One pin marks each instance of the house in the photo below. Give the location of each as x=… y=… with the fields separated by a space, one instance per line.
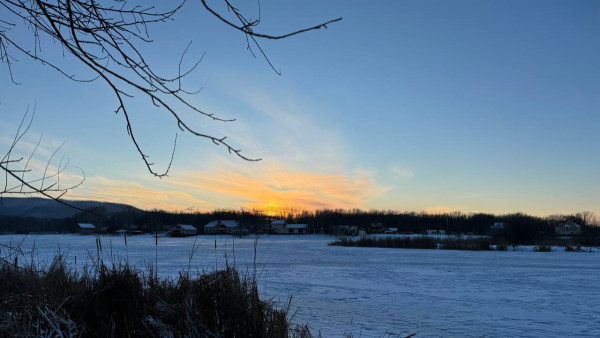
x=295 y=229
x=222 y=227
x=568 y=229
x=349 y=230
x=85 y=229
x=436 y=232
x=280 y=226
x=277 y=226
x=352 y=231
x=377 y=228
x=183 y=230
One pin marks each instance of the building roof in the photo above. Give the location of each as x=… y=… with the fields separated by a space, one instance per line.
x=572 y=224
x=211 y=224
x=86 y=226
x=296 y=226
x=230 y=223
x=278 y=222
x=187 y=227
x=227 y=224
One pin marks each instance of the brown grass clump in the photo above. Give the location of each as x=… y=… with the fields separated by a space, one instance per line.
x=542 y=248
x=389 y=242
x=471 y=244
x=121 y=302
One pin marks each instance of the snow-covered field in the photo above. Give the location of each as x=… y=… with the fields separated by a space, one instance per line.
x=371 y=291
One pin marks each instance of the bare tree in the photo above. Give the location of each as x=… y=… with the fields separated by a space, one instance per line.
x=588 y=218
x=24 y=174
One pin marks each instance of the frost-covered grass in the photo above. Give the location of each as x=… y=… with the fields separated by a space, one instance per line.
x=57 y=301
x=371 y=291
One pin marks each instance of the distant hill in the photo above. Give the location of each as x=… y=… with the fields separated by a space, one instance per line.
x=46 y=208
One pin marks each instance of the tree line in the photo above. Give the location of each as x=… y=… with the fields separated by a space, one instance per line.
x=519 y=227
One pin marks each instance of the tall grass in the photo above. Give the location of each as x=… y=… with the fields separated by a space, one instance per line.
x=122 y=301
x=422 y=242
x=472 y=244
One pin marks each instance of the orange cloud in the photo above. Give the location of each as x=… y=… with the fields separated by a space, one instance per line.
x=271 y=188
x=275 y=187
x=438 y=210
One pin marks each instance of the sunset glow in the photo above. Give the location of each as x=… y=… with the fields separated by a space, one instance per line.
x=396 y=107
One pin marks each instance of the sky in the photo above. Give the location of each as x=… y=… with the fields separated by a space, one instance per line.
x=434 y=106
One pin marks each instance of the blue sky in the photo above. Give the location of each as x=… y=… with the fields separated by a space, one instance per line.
x=405 y=105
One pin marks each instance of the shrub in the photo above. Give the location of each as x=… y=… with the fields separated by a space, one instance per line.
x=466 y=244
x=501 y=247
x=542 y=248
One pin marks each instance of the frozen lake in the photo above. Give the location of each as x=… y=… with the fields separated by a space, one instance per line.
x=371 y=291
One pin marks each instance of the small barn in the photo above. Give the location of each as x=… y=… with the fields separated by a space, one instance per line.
x=85 y=229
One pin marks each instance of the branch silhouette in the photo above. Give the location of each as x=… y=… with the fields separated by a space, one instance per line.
x=106 y=38
x=21 y=179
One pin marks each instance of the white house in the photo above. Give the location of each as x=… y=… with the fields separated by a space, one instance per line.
x=568 y=229
x=183 y=230
x=85 y=228
x=277 y=226
x=221 y=227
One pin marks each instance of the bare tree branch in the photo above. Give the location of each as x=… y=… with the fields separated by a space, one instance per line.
x=106 y=37
x=18 y=178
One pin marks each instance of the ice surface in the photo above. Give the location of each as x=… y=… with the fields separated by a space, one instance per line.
x=371 y=291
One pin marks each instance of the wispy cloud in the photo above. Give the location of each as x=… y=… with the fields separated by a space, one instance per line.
x=133 y=193
x=283 y=126
x=305 y=164
x=402 y=172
